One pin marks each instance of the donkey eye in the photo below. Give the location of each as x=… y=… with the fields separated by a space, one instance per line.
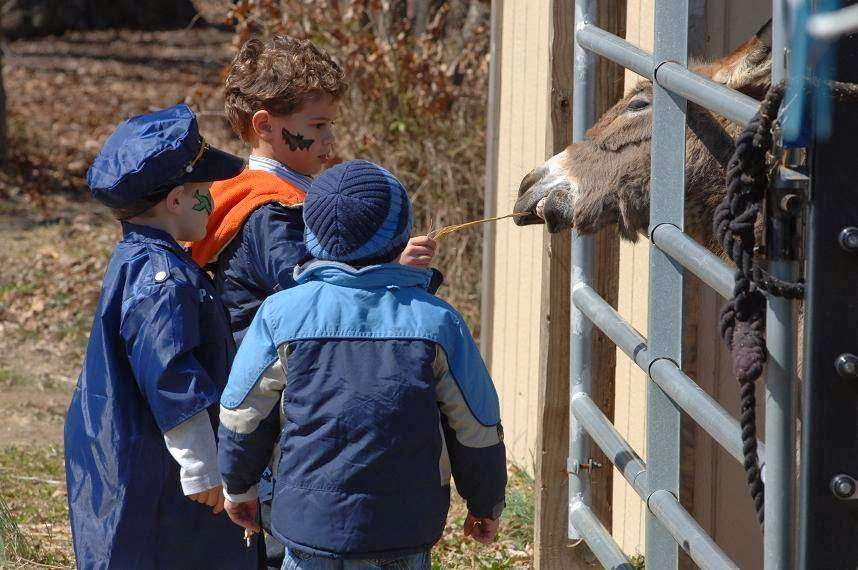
x=637 y=105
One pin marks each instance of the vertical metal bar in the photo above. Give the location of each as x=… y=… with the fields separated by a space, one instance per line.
x=667 y=205
x=583 y=253
x=780 y=372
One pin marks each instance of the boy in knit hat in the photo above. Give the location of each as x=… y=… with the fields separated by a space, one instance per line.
x=369 y=391
x=144 y=489
x=282 y=97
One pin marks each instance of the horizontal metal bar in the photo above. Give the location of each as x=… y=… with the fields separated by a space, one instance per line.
x=663 y=504
x=612 y=324
x=695 y=258
x=687 y=532
x=599 y=540
x=616 y=49
x=689 y=396
x=714 y=419
x=724 y=101
x=611 y=442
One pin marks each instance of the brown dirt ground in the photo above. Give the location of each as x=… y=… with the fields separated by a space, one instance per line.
x=64 y=95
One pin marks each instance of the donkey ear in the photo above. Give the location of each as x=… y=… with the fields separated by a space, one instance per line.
x=748 y=69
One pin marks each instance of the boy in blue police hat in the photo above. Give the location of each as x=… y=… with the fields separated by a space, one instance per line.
x=369 y=391
x=141 y=458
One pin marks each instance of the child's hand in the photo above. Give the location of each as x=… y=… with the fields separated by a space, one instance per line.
x=213 y=498
x=483 y=530
x=419 y=252
x=243 y=514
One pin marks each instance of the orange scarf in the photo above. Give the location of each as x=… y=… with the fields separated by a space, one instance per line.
x=234 y=201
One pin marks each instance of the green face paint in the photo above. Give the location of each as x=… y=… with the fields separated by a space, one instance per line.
x=204 y=203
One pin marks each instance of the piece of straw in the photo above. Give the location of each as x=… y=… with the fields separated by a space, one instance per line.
x=447 y=230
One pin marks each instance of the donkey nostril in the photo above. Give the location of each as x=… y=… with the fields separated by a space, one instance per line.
x=532 y=178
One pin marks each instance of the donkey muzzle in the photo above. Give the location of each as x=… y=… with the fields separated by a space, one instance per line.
x=546 y=197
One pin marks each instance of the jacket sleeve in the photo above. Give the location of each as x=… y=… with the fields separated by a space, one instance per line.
x=193 y=446
x=477 y=453
x=161 y=328
x=250 y=423
x=436 y=280
x=273 y=239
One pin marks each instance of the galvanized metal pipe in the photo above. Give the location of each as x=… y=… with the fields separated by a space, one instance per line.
x=687 y=532
x=611 y=442
x=724 y=101
x=616 y=49
x=611 y=323
x=582 y=268
x=702 y=408
x=667 y=206
x=599 y=540
x=682 y=527
x=780 y=371
x=710 y=268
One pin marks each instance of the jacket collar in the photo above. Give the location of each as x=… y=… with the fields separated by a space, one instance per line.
x=390 y=275
x=137 y=233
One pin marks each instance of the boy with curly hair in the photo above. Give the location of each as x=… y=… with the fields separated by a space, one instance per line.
x=282 y=97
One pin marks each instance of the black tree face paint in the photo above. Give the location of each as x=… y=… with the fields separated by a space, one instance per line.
x=204 y=203
x=296 y=141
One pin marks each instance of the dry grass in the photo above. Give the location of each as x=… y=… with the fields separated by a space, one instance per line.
x=35 y=528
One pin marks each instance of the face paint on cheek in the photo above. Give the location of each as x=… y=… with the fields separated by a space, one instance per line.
x=296 y=141
x=204 y=203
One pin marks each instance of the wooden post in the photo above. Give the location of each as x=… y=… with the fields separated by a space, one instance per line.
x=551 y=546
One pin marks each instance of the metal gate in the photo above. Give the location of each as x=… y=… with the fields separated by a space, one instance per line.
x=672 y=252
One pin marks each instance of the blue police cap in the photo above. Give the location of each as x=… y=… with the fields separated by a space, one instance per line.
x=151 y=154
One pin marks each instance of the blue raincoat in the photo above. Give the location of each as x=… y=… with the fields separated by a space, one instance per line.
x=159 y=353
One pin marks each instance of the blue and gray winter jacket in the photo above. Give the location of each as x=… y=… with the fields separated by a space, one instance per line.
x=369 y=392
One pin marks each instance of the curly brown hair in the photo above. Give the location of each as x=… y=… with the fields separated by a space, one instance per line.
x=278 y=75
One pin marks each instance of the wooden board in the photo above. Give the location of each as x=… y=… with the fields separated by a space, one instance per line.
x=551 y=546
x=523 y=136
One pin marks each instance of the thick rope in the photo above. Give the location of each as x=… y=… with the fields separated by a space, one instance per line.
x=743 y=319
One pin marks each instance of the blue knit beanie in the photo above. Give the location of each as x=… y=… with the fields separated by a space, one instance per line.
x=358 y=213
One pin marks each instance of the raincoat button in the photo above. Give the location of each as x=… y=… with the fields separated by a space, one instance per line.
x=160 y=277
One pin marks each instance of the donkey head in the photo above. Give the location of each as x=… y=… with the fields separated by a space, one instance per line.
x=605 y=179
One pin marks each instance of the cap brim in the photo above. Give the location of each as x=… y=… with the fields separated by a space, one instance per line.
x=215 y=164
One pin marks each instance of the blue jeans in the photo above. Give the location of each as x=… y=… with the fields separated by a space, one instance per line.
x=297 y=560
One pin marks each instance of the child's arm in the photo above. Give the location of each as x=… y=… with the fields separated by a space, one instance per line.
x=250 y=419
x=273 y=240
x=248 y=433
x=161 y=330
x=192 y=445
x=477 y=453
